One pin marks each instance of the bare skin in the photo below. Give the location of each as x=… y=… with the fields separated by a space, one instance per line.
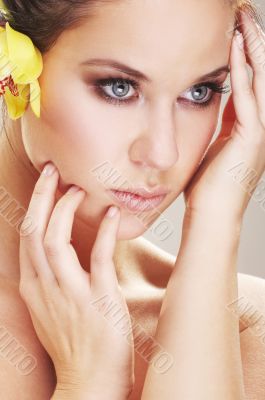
x=144 y=297
x=139 y=278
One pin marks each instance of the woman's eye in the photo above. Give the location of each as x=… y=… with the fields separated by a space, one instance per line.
x=204 y=94
x=116 y=90
x=200 y=95
x=119 y=89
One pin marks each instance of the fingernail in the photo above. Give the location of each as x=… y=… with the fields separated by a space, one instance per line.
x=48 y=169
x=112 y=211
x=73 y=189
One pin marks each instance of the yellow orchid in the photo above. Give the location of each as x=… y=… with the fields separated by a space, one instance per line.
x=3 y=7
x=21 y=65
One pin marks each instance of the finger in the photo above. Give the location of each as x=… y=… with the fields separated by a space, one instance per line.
x=33 y=261
x=243 y=96
x=60 y=253
x=255 y=50
x=102 y=268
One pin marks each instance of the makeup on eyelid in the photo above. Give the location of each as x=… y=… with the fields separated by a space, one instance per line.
x=214 y=87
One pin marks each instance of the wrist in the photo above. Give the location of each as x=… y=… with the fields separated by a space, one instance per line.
x=205 y=220
x=101 y=386
x=205 y=233
x=89 y=393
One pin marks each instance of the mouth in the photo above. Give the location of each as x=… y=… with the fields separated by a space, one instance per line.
x=136 y=202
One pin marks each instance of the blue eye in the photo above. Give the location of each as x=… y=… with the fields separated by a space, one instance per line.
x=200 y=94
x=115 y=91
x=214 y=87
x=118 y=87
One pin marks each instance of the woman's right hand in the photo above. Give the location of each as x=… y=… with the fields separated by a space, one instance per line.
x=234 y=163
x=67 y=304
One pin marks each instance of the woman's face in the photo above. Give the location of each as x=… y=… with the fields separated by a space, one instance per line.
x=122 y=135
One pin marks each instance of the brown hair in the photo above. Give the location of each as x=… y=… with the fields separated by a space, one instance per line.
x=44 y=21
x=251 y=7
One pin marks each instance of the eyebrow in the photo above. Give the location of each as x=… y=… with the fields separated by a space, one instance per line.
x=139 y=75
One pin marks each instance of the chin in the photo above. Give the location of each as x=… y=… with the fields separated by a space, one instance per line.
x=130 y=231
x=131 y=224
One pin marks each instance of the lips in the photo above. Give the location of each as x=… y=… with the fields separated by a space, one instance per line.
x=136 y=202
x=145 y=193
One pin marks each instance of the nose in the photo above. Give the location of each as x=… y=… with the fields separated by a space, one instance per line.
x=155 y=146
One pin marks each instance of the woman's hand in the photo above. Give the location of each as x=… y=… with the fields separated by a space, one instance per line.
x=239 y=151
x=67 y=304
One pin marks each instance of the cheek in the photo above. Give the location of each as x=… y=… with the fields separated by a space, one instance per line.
x=82 y=123
x=197 y=129
x=77 y=132
x=195 y=132
x=197 y=140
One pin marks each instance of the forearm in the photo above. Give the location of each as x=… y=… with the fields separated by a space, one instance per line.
x=195 y=326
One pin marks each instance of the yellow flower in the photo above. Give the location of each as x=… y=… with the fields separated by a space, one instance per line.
x=2 y=6
x=20 y=67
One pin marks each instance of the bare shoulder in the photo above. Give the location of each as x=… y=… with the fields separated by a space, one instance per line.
x=251 y=297
x=154 y=263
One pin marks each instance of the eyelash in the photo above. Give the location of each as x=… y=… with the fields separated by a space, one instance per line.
x=110 y=80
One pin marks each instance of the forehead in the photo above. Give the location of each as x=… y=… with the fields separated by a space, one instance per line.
x=150 y=34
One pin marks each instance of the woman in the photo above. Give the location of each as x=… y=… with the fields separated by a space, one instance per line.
x=71 y=265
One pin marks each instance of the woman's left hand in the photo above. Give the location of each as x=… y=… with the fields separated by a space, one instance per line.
x=239 y=150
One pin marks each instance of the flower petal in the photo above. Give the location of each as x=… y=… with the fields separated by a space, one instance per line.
x=16 y=105
x=2 y=6
x=5 y=65
x=25 y=58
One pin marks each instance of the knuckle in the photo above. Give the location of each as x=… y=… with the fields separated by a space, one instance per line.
x=51 y=248
x=31 y=238
x=246 y=90
x=38 y=191
x=98 y=257
x=27 y=227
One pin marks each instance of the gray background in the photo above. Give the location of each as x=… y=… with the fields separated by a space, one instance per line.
x=251 y=255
